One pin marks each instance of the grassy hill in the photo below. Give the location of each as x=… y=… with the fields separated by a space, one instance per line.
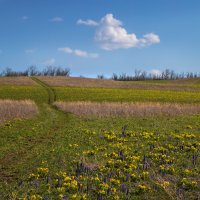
x=60 y=155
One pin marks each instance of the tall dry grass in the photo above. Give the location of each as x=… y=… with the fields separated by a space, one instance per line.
x=103 y=83
x=107 y=109
x=10 y=109
x=16 y=81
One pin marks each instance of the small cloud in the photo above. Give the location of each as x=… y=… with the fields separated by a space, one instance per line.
x=78 y=52
x=155 y=72
x=85 y=54
x=50 y=61
x=24 y=18
x=110 y=34
x=88 y=22
x=29 y=51
x=65 y=50
x=152 y=38
x=149 y=39
x=57 y=19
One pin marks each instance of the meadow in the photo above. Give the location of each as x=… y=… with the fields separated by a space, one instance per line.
x=60 y=155
x=177 y=85
x=21 y=92
x=124 y=95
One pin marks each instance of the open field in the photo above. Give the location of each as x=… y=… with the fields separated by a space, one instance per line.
x=58 y=155
x=16 y=81
x=15 y=92
x=178 y=85
x=124 y=95
x=10 y=109
x=117 y=164
x=109 y=109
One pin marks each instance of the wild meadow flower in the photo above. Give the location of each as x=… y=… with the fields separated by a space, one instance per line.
x=89 y=152
x=144 y=175
x=115 y=181
x=43 y=170
x=35 y=197
x=34 y=176
x=189 y=184
x=133 y=177
x=187 y=172
x=142 y=188
x=74 y=196
x=67 y=179
x=61 y=190
x=165 y=184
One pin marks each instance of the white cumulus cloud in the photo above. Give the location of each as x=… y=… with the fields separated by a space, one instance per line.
x=57 y=19
x=155 y=72
x=78 y=52
x=149 y=39
x=88 y=22
x=110 y=34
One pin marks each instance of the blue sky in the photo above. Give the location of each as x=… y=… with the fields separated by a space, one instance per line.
x=100 y=36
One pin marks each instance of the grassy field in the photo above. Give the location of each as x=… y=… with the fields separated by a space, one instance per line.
x=57 y=155
x=16 y=92
x=17 y=81
x=177 y=85
x=124 y=95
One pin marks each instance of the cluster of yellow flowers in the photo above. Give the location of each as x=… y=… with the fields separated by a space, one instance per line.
x=73 y=145
x=188 y=184
x=165 y=184
x=43 y=170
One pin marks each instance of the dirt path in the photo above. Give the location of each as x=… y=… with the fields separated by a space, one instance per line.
x=51 y=92
x=21 y=150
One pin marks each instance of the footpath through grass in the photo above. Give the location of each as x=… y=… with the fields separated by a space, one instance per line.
x=49 y=90
x=61 y=156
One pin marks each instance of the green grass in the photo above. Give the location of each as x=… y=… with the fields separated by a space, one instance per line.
x=48 y=139
x=55 y=141
x=36 y=93
x=125 y=95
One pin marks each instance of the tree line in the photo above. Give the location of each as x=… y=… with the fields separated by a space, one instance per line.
x=33 y=71
x=140 y=75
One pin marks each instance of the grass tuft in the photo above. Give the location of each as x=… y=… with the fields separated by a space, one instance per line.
x=107 y=109
x=10 y=109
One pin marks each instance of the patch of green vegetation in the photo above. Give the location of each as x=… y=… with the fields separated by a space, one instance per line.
x=58 y=142
x=13 y=92
x=125 y=95
x=57 y=155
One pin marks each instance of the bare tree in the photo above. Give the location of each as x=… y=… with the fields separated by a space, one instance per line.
x=101 y=76
x=32 y=70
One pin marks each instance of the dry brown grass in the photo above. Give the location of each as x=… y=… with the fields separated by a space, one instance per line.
x=107 y=109
x=179 y=85
x=10 y=109
x=16 y=81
